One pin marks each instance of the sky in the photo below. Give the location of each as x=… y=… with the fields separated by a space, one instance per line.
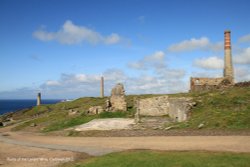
x=61 y=48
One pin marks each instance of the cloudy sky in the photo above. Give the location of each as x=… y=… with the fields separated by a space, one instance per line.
x=62 y=47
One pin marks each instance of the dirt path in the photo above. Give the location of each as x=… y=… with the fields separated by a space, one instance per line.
x=102 y=145
x=22 y=156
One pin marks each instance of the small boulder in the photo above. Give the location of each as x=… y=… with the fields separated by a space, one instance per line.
x=168 y=128
x=33 y=124
x=201 y=125
x=73 y=112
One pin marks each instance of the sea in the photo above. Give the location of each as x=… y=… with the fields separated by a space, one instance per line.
x=15 y=105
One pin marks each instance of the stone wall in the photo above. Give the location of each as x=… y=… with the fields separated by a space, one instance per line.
x=156 y=106
x=117 y=99
x=179 y=108
x=176 y=108
x=95 y=110
x=206 y=84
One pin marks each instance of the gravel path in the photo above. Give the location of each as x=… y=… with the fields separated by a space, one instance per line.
x=84 y=149
x=102 y=145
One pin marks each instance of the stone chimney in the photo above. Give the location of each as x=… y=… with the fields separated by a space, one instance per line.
x=228 y=65
x=102 y=87
x=38 y=102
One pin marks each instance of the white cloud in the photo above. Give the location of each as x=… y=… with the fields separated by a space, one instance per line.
x=172 y=73
x=162 y=79
x=209 y=63
x=52 y=83
x=192 y=44
x=157 y=56
x=242 y=74
x=155 y=60
x=157 y=79
x=243 y=57
x=219 y=46
x=245 y=38
x=74 y=34
x=115 y=75
x=112 y=39
x=207 y=74
x=189 y=45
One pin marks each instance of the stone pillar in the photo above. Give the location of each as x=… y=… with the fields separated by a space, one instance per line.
x=228 y=65
x=102 y=87
x=137 y=114
x=118 y=99
x=38 y=102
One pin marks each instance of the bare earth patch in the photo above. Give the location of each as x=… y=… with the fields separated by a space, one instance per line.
x=15 y=156
x=107 y=124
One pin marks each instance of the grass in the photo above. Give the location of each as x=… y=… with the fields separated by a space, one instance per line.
x=227 y=109
x=59 y=119
x=66 y=123
x=167 y=159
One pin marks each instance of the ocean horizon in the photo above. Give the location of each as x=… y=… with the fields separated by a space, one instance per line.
x=12 y=105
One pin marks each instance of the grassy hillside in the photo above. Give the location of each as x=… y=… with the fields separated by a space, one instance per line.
x=226 y=109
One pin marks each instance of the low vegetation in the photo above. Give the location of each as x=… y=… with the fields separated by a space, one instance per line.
x=166 y=159
x=225 y=109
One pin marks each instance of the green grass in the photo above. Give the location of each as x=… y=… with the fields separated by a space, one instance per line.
x=58 y=120
x=228 y=109
x=167 y=159
x=66 y=123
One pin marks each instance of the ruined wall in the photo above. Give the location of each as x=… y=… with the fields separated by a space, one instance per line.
x=156 y=106
x=117 y=99
x=205 y=84
x=177 y=108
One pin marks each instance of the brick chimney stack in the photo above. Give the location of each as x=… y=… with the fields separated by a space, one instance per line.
x=228 y=65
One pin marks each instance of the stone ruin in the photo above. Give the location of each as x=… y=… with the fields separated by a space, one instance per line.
x=95 y=110
x=178 y=109
x=243 y=84
x=117 y=100
x=205 y=84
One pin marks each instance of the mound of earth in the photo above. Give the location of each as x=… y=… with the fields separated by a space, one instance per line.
x=107 y=124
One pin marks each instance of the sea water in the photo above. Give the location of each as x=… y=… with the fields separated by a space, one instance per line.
x=14 y=105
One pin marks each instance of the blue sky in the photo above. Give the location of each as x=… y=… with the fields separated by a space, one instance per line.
x=62 y=47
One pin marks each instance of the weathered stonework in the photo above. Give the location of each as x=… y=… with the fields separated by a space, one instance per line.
x=177 y=108
x=156 y=106
x=204 y=84
x=117 y=99
x=95 y=110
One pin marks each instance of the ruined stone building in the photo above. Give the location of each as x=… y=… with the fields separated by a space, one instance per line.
x=203 y=84
x=117 y=99
x=177 y=108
